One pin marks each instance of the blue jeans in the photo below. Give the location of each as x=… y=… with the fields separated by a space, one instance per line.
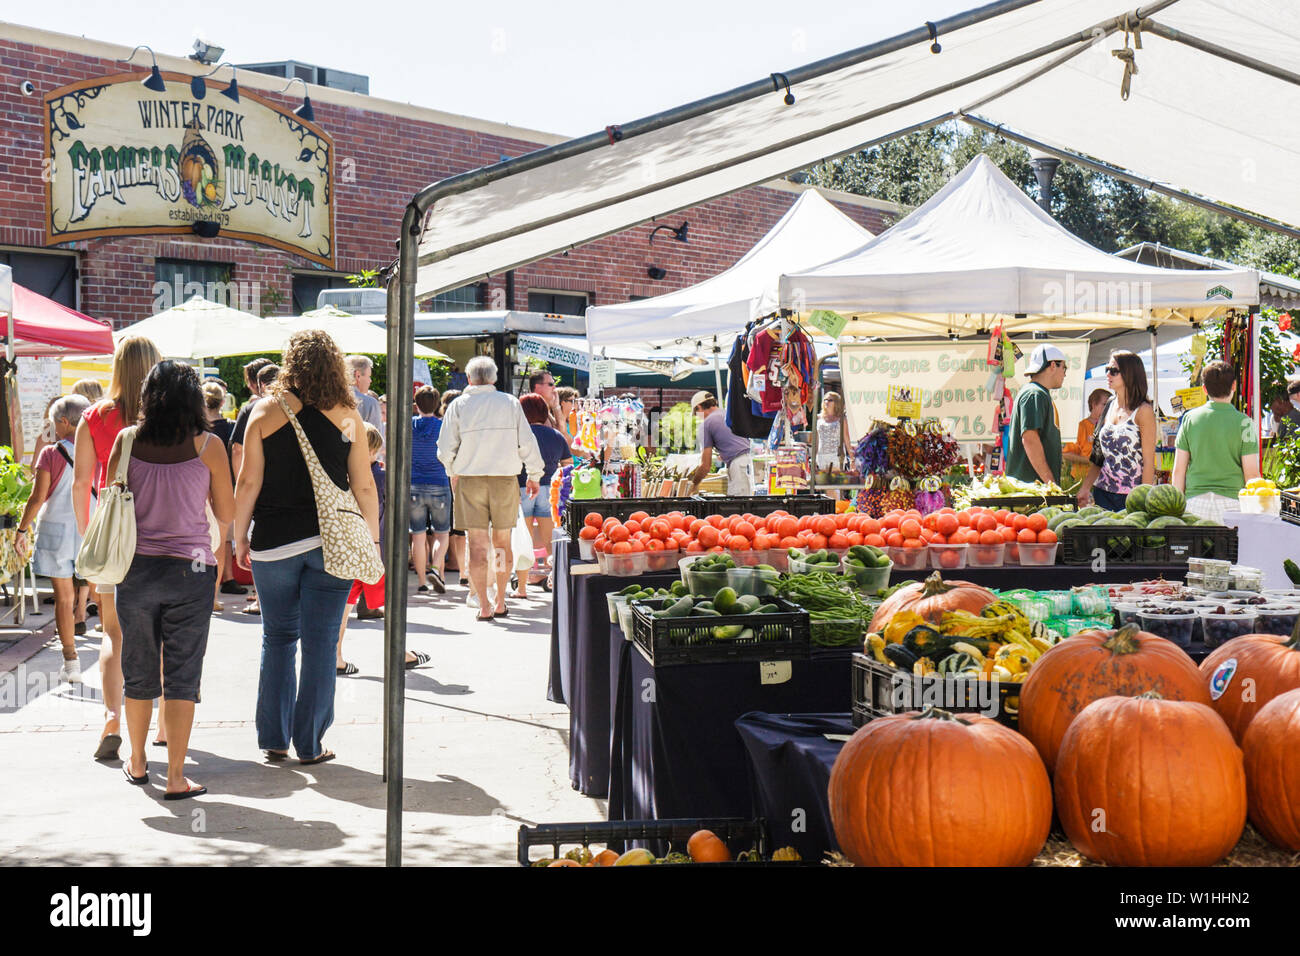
x=538 y=506
x=1110 y=500
x=300 y=602
x=430 y=509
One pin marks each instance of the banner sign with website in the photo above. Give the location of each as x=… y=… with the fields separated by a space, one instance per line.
x=125 y=160
x=952 y=382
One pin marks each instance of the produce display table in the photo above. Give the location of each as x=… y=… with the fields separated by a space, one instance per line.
x=1053 y=577
x=583 y=645
x=1264 y=542
x=675 y=750
x=789 y=761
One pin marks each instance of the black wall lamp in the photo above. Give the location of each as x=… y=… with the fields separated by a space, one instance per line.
x=655 y=272
x=154 y=80
x=200 y=88
x=205 y=228
x=304 y=112
x=679 y=233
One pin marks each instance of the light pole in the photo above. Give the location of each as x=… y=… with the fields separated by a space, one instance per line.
x=1045 y=166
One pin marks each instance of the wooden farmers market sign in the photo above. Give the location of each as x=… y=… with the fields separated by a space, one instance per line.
x=951 y=381
x=126 y=160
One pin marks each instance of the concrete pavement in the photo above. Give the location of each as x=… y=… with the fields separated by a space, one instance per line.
x=485 y=751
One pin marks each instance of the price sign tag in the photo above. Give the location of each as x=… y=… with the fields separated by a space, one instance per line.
x=1185 y=399
x=832 y=323
x=774 y=672
x=602 y=374
x=904 y=402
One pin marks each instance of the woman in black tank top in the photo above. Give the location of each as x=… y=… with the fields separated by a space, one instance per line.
x=300 y=602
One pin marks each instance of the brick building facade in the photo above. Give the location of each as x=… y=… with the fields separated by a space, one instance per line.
x=383 y=153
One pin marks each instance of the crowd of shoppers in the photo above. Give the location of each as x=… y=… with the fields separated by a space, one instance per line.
x=210 y=496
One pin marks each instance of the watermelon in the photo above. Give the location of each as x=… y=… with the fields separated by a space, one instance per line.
x=1139 y=518
x=1137 y=498
x=1164 y=521
x=1057 y=520
x=1166 y=500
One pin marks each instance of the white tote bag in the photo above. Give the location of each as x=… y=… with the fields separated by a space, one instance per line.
x=521 y=543
x=108 y=548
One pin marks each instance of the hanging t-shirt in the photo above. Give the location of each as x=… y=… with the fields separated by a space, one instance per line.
x=741 y=418
x=765 y=359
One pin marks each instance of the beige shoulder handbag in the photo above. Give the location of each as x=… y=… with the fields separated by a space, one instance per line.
x=348 y=549
x=108 y=548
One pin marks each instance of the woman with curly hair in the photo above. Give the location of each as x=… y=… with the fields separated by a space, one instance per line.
x=301 y=602
x=176 y=469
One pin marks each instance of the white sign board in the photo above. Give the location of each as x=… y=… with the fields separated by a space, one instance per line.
x=39 y=381
x=601 y=374
x=551 y=353
x=953 y=380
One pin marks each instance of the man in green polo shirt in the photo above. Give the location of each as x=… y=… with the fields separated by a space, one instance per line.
x=1217 y=448
x=1035 y=452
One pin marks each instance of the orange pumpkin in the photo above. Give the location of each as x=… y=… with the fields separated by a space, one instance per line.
x=1273 y=770
x=1144 y=781
x=604 y=858
x=1095 y=664
x=937 y=789
x=1247 y=672
x=930 y=598
x=705 y=847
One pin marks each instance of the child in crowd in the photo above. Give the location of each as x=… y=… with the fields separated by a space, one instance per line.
x=374 y=593
x=832 y=432
x=57 y=541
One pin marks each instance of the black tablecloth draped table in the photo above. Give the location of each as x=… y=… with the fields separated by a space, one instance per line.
x=675 y=749
x=789 y=763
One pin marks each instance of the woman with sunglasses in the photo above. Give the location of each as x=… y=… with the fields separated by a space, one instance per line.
x=1126 y=437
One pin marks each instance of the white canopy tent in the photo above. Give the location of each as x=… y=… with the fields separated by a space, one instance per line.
x=200 y=329
x=980 y=251
x=1199 y=116
x=811 y=232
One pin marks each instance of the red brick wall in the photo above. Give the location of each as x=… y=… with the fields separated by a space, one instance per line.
x=381 y=161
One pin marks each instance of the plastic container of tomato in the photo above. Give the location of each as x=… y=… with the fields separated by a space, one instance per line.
x=1037 y=555
x=909 y=559
x=602 y=562
x=948 y=557
x=586 y=550
x=747 y=559
x=625 y=565
x=985 y=555
x=660 y=560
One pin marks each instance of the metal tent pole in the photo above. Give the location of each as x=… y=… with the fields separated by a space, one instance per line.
x=401 y=359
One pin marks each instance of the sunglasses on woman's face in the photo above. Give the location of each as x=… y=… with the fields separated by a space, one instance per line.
x=1111 y=370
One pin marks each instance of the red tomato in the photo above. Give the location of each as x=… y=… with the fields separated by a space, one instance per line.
x=787 y=527
x=1008 y=534
x=693 y=547
x=913 y=544
x=1025 y=536
x=894 y=539
x=619 y=533
x=790 y=541
x=714 y=521
x=964 y=519
x=654 y=544
x=937 y=538
x=1019 y=522
x=855 y=538
x=891 y=521
x=632 y=525
x=695 y=525
x=837 y=540
x=738 y=542
x=910 y=527
x=869 y=526
x=1047 y=536
x=745 y=529
x=990 y=537
x=818 y=541
x=594 y=519
x=638 y=516
x=985 y=522
x=621 y=547
x=949 y=559
x=945 y=524
x=824 y=526
x=709 y=536
x=1036 y=523
x=588 y=533
x=875 y=540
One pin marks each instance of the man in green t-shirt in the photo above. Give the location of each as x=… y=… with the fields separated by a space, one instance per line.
x=1035 y=452
x=1217 y=448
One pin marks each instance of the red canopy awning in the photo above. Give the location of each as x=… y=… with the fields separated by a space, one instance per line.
x=43 y=327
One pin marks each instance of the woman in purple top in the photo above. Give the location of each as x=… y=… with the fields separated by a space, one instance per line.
x=177 y=468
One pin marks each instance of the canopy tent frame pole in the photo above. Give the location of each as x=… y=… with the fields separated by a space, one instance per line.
x=1119 y=173
x=1213 y=49
x=1155 y=370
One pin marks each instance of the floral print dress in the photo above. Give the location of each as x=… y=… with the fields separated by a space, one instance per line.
x=1121 y=444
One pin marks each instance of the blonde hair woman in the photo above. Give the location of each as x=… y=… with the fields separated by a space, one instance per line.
x=96 y=432
x=89 y=389
x=301 y=603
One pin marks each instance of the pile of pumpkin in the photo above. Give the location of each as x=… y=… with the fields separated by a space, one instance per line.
x=1152 y=761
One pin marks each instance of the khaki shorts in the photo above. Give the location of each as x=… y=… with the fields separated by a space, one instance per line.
x=483 y=501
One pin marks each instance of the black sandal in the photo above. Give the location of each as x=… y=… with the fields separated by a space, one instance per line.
x=276 y=755
x=327 y=755
x=420 y=658
x=139 y=781
x=184 y=794
x=108 y=746
x=347 y=670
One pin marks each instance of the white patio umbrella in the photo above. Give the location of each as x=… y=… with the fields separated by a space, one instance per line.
x=200 y=329
x=352 y=334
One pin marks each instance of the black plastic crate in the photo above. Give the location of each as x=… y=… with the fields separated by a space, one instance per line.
x=880 y=690
x=784 y=635
x=1125 y=544
x=657 y=836
x=797 y=505
x=623 y=508
x=1291 y=507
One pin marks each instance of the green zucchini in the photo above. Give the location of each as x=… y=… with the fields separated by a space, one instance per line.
x=725 y=632
x=681 y=607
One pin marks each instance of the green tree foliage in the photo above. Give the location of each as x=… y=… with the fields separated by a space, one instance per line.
x=1109 y=213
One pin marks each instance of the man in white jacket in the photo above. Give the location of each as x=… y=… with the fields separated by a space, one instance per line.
x=484 y=444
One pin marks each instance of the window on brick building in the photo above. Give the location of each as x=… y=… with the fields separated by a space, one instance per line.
x=52 y=276
x=558 y=303
x=307 y=287
x=177 y=280
x=468 y=298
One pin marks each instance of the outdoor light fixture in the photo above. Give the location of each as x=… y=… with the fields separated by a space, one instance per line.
x=154 y=80
x=206 y=53
x=656 y=273
x=679 y=233
x=304 y=112
x=199 y=88
x=205 y=228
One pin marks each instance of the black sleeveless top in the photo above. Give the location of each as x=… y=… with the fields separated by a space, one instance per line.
x=285 y=511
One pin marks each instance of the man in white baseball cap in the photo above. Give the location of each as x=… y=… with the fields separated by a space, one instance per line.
x=714 y=433
x=1035 y=436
